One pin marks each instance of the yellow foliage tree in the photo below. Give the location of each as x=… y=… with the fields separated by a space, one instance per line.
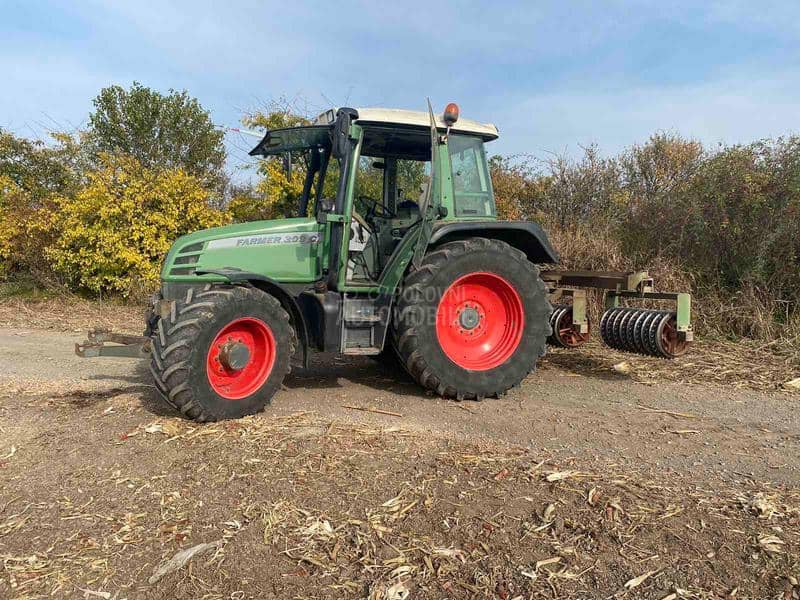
x=276 y=195
x=113 y=235
x=25 y=230
x=10 y=225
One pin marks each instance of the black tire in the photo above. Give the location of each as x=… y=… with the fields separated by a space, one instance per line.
x=182 y=340
x=605 y=325
x=640 y=331
x=416 y=340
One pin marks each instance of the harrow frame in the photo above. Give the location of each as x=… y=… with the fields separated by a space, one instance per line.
x=616 y=286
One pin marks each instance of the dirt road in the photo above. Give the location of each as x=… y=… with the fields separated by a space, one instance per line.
x=562 y=409
x=582 y=483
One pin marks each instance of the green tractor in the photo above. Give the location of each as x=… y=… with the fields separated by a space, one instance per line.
x=402 y=256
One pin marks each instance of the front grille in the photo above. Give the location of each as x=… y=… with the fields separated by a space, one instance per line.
x=196 y=247
x=187 y=260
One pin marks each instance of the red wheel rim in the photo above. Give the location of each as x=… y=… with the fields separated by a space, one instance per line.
x=671 y=344
x=240 y=358
x=479 y=321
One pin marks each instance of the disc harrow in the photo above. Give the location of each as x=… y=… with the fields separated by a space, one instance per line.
x=650 y=332
x=565 y=333
x=661 y=333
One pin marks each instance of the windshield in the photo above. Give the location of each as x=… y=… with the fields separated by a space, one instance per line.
x=298 y=166
x=280 y=141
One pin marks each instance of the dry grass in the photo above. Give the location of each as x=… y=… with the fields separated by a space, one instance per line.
x=751 y=314
x=732 y=364
x=70 y=313
x=304 y=508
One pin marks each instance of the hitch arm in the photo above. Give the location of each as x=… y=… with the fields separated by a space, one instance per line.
x=124 y=346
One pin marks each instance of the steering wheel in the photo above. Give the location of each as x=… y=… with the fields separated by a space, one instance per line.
x=375 y=209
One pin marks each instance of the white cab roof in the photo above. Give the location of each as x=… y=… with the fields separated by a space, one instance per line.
x=399 y=116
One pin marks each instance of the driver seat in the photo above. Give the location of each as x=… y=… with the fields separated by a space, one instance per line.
x=362 y=250
x=408 y=209
x=360 y=231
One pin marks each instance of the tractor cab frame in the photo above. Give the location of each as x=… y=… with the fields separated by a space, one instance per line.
x=455 y=194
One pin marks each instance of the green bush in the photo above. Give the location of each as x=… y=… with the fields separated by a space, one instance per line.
x=727 y=221
x=113 y=234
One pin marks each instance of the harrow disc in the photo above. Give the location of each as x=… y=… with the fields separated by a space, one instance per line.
x=615 y=327
x=622 y=328
x=553 y=315
x=605 y=320
x=557 y=308
x=627 y=333
x=638 y=327
x=651 y=332
x=564 y=333
x=668 y=341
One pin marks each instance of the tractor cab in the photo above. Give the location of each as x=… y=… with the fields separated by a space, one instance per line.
x=375 y=176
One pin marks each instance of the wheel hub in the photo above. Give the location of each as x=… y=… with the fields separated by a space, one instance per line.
x=234 y=355
x=240 y=358
x=469 y=317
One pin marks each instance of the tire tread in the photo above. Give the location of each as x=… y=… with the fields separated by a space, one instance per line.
x=405 y=338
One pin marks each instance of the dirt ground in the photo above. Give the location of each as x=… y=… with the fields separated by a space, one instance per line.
x=665 y=480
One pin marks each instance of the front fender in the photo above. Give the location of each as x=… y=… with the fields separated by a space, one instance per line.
x=274 y=288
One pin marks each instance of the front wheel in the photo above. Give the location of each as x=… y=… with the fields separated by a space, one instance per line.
x=222 y=353
x=473 y=320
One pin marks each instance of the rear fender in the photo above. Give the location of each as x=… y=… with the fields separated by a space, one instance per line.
x=524 y=235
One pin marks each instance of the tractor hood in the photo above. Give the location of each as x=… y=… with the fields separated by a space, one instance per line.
x=286 y=250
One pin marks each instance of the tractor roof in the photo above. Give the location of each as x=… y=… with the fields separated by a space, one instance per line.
x=411 y=118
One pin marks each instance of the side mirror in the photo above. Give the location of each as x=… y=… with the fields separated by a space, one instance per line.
x=341 y=131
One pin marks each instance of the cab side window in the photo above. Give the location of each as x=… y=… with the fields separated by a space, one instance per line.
x=471 y=182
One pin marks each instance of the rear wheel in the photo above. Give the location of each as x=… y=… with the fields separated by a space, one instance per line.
x=472 y=320
x=222 y=353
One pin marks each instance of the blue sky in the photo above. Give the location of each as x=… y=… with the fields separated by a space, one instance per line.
x=554 y=76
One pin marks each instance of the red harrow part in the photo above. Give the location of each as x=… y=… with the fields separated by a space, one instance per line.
x=661 y=333
x=565 y=333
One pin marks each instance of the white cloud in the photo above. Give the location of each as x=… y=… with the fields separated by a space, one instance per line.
x=730 y=110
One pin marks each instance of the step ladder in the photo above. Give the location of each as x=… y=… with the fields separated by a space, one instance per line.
x=364 y=322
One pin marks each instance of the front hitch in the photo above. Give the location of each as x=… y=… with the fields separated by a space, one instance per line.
x=103 y=342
